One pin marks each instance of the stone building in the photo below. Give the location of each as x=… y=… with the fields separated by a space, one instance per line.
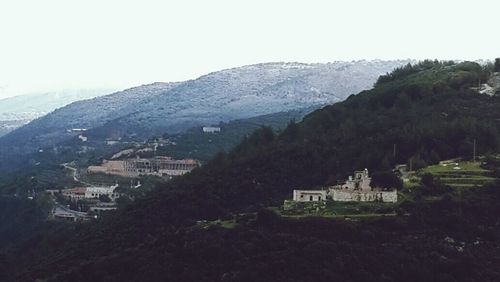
x=356 y=189
x=163 y=166
x=115 y=167
x=134 y=167
x=360 y=181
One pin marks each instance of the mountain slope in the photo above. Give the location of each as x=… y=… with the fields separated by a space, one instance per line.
x=19 y=110
x=196 y=144
x=427 y=110
x=221 y=96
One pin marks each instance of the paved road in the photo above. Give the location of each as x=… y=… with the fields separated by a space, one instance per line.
x=74 y=172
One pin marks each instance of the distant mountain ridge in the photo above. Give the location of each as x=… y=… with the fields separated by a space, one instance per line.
x=19 y=110
x=201 y=227
x=221 y=96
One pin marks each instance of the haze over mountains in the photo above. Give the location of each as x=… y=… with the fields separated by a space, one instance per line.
x=216 y=97
x=19 y=110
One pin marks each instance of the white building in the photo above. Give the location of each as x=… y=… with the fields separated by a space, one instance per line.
x=96 y=192
x=74 y=194
x=309 y=195
x=102 y=207
x=211 y=129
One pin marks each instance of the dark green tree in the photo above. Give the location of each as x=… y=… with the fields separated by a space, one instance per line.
x=386 y=180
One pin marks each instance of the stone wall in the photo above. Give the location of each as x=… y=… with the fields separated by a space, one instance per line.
x=291 y=206
x=364 y=196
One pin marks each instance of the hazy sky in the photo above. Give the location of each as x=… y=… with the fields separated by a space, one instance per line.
x=60 y=44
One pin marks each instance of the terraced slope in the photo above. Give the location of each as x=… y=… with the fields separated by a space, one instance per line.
x=461 y=175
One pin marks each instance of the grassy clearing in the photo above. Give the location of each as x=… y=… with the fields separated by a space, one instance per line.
x=339 y=209
x=461 y=175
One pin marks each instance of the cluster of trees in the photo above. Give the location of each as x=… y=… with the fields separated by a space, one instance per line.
x=202 y=146
x=409 y=69
x=497 y=65
x=271 y=248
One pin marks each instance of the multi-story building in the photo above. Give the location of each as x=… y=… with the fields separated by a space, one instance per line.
x=134 y=167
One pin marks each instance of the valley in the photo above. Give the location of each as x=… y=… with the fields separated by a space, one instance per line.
x=249 y=141
x=427 y=138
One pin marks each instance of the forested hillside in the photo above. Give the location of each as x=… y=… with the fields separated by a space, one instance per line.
x=196 y=144
x=221 y=96
x=419 y=114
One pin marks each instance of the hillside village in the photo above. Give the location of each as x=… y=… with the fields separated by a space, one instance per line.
x=249 y=141
x=136 y=160
x=102 y=186
x=84 y=203
x=236 y=202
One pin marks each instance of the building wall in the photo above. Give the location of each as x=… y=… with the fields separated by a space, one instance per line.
x=309 y=195
x=96 y=192
x=155 y=166
x=210 y=129
x=364 y=196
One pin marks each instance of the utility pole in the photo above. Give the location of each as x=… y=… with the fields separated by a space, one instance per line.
x=474 y=152
x=394 y=152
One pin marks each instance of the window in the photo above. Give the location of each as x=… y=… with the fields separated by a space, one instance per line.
x=310 y=198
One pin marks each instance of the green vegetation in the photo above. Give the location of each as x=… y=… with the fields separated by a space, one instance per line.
x=497 y=65
x=203 y=146
x=463 y=175
x=339 y=209
x=104 y=179
x=37 y=179
x=427 y=113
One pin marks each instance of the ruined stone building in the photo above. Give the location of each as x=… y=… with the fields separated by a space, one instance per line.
x=356 y=189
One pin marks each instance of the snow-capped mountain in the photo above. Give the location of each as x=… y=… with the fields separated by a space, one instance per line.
x=225 y=95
